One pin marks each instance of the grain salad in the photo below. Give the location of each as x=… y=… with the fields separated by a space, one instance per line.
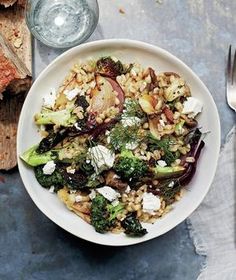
x=120 y=141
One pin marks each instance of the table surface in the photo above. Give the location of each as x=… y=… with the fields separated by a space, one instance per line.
x=32 y=247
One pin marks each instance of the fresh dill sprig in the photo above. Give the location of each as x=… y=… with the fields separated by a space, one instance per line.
x=120 y=136
x=164 y=145
x=133 y=109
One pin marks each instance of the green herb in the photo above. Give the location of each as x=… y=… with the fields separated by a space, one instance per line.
x=164 y=145
x=168 y=190
x=133 y=109
x=120 y=136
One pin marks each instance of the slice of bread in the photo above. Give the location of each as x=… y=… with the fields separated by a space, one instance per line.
x=14 y=75
x=7 y=3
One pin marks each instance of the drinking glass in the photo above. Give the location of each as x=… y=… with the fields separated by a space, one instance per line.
x=62 y=23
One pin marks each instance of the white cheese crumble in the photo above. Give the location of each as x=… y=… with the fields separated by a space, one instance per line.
x=76 y=125
x=115 y=202
x=130 y=121
x=162 y=123
x=192 y=106
x=71 y=94
x=78 y=198
x=109 y=193
x=161 y=163
x=101 y=158
x=50 y=99
x=49 y=167
x=131 y=145
x=171 y=184
x=51 y=190
x=150 y=203
x=128 y=189
x=70 y=170
x=92 y=195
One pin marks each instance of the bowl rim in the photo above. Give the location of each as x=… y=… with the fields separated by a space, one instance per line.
x=143 y=45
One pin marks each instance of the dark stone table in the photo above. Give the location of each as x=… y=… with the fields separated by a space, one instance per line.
x=31 y=246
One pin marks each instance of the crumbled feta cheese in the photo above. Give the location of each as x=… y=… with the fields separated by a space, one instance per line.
x=115 y=202
x=92 y=195
x=101 y=158
x=131 y=146
x=130 y=121
x=49 y=167
x=70 y=170
x=107 y=132
x=73 y=191
x=76 y=125
x=161 y=163
x=192 y=106
x=109 y=193
x=71 y=94
x=150 y=203
x=171 y=184
x=78 y=198
x=162 y=123
x=51 y=190
x=128 y=189
x=50 y=99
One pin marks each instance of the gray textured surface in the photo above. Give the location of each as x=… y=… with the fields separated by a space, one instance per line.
x=32 y=247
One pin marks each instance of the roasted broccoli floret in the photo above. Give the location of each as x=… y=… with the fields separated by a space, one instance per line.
x=46 y=181
x=132 y=226
x=129 y=166
x=61 y=118
x=103 y=214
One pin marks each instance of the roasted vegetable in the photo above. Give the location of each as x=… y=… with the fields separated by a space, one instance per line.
x=111 y=68
x=132 y=226
x=130 y=167
x=67 y=154
x=82 y=102
x=51 y=140
x=75 y=181
x=61 y=118
x=164 y=145
x=103 y=214
x=148 y=103
x=32 y=158
x=168 y=171
x=46 y=181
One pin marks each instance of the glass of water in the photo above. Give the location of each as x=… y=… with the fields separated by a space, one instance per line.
x=62 y=23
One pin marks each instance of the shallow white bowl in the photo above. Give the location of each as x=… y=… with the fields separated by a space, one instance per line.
x=127 y=51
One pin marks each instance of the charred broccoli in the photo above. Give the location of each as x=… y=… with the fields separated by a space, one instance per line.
x=129 y=166
x=132 y=226
x=103 y=214
x=46 y=181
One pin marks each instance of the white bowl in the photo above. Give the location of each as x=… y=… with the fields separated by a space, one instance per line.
x=127 y=51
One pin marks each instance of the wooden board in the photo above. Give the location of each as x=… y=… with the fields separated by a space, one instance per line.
x=13 y=27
